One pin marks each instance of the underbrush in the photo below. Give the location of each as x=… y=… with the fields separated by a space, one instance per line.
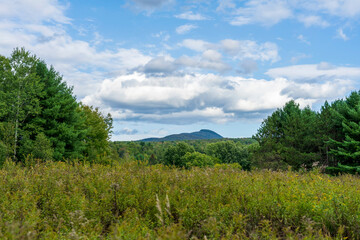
x=59 y=200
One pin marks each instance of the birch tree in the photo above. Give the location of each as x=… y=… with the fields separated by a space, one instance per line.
x=19 y=93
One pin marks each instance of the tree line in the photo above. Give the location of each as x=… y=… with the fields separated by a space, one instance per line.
x=40 y=116
x=303 y=138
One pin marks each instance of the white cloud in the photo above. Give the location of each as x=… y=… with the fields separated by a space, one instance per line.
x=183 y=29
x=224 y=5
x=195 y=98
x=161 y=64
x=196 y=45
x=264 y=12
x=315 y=72
x=312 y=20
x=238 y=50
x=271 y=12
x=209 y=61
x=44 y=34
x=34 y=11
x=248 y=66
x=342 y=35
x=303 y=39
x=247 y=49
x=341 y=8
x=126 y=131
x=189 y=15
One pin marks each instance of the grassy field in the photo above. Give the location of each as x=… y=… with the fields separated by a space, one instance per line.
x=135 y=201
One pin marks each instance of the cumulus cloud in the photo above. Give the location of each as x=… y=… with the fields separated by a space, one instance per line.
x=160 y=65
x=183 y=29
x=189 y=15
x=239 y=50
x=197 y=45
x=314 y=72
x=208 y=97
x=250 y=49
x=42 y=31
x=248 y=66
x=207 y=61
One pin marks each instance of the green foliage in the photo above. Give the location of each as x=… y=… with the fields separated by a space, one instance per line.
x=347 y=150
x=196 y=159
x=225 y=166
x=3 y=153
x=60 y=120
x=174 y=154
x=289 y=137
x=42 y=148
x=38 y=112
x=98 y=132
x=55 y=200
x=342 y=169
x=229 y=152
x=19 y=93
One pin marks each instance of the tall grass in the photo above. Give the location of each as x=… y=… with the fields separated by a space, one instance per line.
x=133 y=201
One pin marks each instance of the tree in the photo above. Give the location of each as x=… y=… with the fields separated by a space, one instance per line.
x=174 y=154
x=61 y=119
x=347 y=150
x=229 y=152
x=98 y=132
x=330 y=127
x=290 y=136
x=20 y=91
x=196 y=159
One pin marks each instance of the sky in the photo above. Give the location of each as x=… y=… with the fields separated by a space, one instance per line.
x=168 y=66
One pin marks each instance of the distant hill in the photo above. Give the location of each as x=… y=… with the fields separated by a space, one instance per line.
x=202 y=134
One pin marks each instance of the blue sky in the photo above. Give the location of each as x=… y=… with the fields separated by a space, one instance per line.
x=168 y=66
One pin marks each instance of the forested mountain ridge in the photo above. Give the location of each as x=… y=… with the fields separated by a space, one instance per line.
x=202 y=134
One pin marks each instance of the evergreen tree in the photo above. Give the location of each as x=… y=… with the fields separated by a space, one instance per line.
x=61 y=119
x=289 y=136
x=347 y=150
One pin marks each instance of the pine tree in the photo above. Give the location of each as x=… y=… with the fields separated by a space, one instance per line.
x=347 y=151
x=61 y=120
x=289 y=136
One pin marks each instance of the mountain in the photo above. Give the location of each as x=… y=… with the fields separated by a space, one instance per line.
x=202 y=134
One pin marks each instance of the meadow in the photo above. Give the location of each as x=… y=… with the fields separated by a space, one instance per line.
x=76 y=200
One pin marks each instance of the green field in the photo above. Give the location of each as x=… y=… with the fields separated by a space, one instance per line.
x=58 y=200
